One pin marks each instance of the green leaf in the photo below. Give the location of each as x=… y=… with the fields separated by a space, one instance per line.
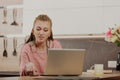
x=118 y=43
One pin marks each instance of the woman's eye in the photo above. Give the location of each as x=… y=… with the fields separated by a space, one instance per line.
x=38 y=29
x=45 y=30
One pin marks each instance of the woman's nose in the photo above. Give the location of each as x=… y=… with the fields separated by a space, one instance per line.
x=41 y=32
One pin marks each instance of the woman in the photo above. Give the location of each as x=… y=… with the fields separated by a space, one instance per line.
x=34 y=52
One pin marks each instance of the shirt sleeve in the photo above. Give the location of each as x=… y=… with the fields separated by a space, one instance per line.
x=24 y=59
x=56 y=44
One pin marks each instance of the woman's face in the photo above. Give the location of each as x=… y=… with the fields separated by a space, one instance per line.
x=42 y=31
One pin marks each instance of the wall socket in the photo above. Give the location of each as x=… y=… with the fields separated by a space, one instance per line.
x=112 y=64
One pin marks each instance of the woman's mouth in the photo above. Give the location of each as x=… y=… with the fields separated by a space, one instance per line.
x=41 y=37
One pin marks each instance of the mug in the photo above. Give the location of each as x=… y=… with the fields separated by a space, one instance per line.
x=98 y=68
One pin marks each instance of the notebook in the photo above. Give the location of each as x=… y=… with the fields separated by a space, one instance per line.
x=65 y=62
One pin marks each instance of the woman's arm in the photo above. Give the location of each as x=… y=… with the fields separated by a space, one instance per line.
x=24 y=58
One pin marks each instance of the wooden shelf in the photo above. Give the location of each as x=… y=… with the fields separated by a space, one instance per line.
x=79 y=36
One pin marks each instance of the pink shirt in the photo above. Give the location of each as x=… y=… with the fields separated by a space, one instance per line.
x=29 y=53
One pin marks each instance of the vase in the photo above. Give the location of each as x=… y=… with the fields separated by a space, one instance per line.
x=118 y=62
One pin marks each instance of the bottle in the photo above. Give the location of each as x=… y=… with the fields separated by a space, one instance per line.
x=118 y=62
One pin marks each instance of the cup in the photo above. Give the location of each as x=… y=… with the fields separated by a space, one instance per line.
x=29 y=69
x=98 y=68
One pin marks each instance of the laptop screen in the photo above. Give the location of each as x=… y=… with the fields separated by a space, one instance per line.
x=65 y=62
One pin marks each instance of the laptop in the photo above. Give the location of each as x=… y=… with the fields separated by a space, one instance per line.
x=65 y=62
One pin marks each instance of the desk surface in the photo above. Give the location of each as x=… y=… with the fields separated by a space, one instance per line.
x=85 y=75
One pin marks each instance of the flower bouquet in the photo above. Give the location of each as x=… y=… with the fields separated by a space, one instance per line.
x=113 y=35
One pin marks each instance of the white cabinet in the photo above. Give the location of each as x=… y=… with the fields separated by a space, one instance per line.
x=10 y=63
x=10 y=12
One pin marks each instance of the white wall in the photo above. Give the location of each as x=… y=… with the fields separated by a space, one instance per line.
x=73 y=16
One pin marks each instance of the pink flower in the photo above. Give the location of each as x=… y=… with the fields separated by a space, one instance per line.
x=113 y=35
x=109 y=33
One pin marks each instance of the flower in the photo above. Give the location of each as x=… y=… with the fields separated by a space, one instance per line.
x=113 y=35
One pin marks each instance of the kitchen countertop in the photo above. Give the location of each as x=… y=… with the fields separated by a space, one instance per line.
x=8 y=73
x=84 y=76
